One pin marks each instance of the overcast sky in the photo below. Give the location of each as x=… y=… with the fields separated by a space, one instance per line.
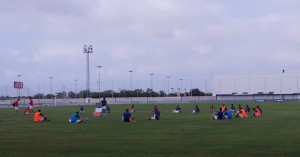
x=183 y=39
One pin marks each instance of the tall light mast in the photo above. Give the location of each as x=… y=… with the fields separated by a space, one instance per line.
x=88 y=50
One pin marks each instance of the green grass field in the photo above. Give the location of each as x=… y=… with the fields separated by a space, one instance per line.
x=277 y=133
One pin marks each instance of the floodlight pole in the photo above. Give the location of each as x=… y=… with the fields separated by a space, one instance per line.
x=51 y=85
x=19 y=93
x=168 y=77
x=151 y=84
x=99 y=67
x=180 y=85
x=130 y=72
x=75 y=87
x=130 y=79
x=87 y=50
x=191 y=88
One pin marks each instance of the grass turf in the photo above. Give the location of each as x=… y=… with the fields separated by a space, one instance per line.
x=186 y=134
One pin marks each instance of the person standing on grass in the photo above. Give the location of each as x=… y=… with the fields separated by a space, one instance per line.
x=39 y=117
x=16 y=105
x=75 y=118
x=31 y=105
x=103 y=106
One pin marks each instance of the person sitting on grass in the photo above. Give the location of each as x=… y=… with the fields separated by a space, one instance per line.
x=156 y=114
x=108 y=109
x=219 y=115
x=227 y=114
x=223 y=107
x=75 y=118
x=132 y=109
x=81 y=110
x=259 y=109
x=155 y=109
x=256 y=112
x=27 y=111
x=127 y=116
x=39 y=117
x=241 y=113
x=196 y=110
x=212 y=109
x=247 y=109
x=232 y=109
x=177 y=110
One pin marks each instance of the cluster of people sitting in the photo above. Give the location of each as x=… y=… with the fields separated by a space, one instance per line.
x=224 y=113
x=127 y=115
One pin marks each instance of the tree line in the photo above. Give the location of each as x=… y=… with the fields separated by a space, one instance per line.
x=121 y=93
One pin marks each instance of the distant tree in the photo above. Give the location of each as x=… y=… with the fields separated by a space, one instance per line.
x=49 y=96
x=172 y=94
x=71 y=94
x=38 y=96
x=162 y=93
x=61 y=95
x=208 y=94
x=94 y=95
x=83 y=93
x=197 y=92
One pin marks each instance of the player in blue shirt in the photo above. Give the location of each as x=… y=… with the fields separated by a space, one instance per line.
x=127 y=116
x=177 y=110
x=103 y=106
x=81 y=110
x=232 y=109
x=75 y=118
x=227 y=114
x=247 y=109
x=219 y=115
x=156 y=114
